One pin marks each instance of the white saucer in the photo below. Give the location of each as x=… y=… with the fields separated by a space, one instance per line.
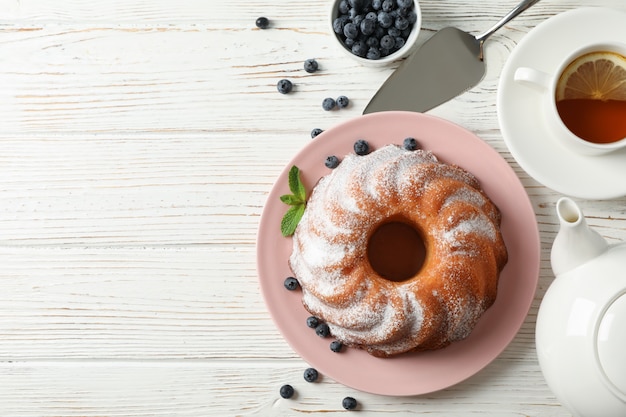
x=520 y=108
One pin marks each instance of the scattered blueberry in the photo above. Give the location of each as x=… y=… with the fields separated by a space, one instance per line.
x=316 y=132
x=342 y=102
x=291 y=283
x=361 y=24
x=310 y=375
x=311 y=65
x=349 y=403
x=332 y=162
x=284 y=86
x=287 y=391
x=262 y=23
x=322 y=330
x=410 y=144
x=312 y=322
x=361 y=147
x=336 y=346
x=328 y=103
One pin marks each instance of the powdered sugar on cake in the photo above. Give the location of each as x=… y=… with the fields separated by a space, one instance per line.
x=459 y=225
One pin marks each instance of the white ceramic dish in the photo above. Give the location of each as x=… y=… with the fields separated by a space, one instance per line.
x=403 y=52
x=523 y=127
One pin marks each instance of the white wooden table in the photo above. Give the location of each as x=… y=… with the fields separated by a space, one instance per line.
x=138 y=142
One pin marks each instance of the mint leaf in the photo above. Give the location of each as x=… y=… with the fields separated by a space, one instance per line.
x=297 y=201
x=290 y=199
x=291 y=219
x=295 y=184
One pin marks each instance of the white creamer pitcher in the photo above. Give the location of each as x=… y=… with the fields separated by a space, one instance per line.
x=581 y=324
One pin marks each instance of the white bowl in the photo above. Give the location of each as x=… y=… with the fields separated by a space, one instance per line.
x=408 y=47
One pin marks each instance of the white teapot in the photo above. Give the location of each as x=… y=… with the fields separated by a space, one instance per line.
x=581 y=324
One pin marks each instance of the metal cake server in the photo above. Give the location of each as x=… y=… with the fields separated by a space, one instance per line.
x=446 y=65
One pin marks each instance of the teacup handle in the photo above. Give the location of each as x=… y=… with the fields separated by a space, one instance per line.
x=532 y=77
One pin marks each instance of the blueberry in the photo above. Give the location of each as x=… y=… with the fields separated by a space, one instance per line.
x=410 y=144
x=344 y=6
x=310 y=66
x=372 y=42
x=328 y=104
x=316 y=132
x=361 y=147
x=404 y=3
x=356 y=4
x=332 y=162
x=284 y=86
x=291 y=283
x=287 y=391
x=360 y=48
x=377 y=4
x=336 y=346
x=373 y=53
x=372 y=16
x=342 y=102
x=358 y=19
x=412 y=17
x=351 y=31
x=392 y=31
x=368 y=26
x=310 y=375
x=339 y=24
x=385 y=20
x=262 y=23
x=349 y=403
x=388 y=5
x=399 y=42
x=404 y=11
x=312 y=322
x=401 y=23
x=322 y=330
x=387 y=42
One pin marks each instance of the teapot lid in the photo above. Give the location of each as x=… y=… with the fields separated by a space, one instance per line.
x=611 y=345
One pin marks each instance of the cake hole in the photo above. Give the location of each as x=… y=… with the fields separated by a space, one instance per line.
x=396 y=251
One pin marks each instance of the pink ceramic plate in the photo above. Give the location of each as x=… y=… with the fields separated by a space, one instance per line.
x=415 y=373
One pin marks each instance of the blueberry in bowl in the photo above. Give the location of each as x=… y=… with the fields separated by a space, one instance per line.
x=376 y=32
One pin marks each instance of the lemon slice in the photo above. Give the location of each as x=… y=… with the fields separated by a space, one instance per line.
x=596 y=75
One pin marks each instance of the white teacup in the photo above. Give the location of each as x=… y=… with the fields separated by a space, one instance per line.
x=547 y=84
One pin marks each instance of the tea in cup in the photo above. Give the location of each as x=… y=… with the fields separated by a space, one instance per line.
x=585 y=98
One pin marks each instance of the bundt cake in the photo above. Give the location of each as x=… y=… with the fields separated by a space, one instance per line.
x=398 y=252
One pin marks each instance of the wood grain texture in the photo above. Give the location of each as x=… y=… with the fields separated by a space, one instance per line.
x=139 y=140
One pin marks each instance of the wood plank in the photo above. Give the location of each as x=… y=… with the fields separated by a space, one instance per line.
x=250 y=389
x=199 y=77
x=139 y=303
x=149 y=303
x=170 y=190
